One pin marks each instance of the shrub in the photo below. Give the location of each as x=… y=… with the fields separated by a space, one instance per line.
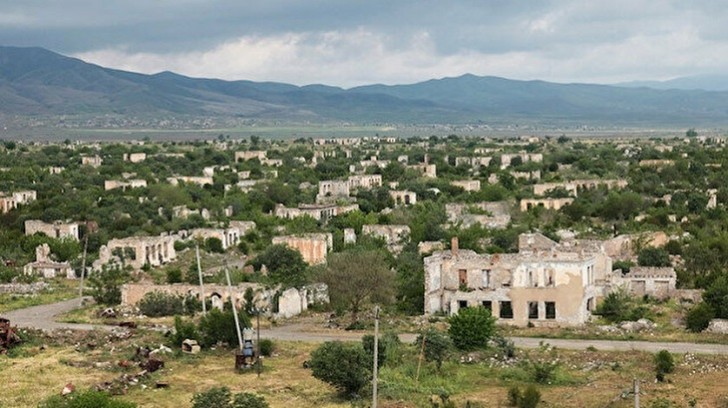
x=248 y=400
x=266 y=347
x=85 y=399
x=217 y=326
x=183 y=330
x=214 y=245
x=218 y=397
x=174 y=275
x=531 y=397
x=543 y=372
x=664 y=364
x=514 y=396
x=7 y=274
x=345 y=366
x=471 y=328
x=156 y=304
x=699 y=317
x=506 y=347
x=437 y=346
x=653 y=257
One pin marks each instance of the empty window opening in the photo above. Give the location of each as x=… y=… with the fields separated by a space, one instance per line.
x=463 y=276
x=462 y=304
x=487 y=304
x=551 y=310
x=533 y=310
x=506 y=310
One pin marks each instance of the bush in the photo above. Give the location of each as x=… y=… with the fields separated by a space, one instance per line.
x=219 y=327
x=471 y=328
x=543 y=372
x=85 y=399
x=248 y=400
x=174 y=275
x=618 y=306
x=214 y=245
x=524 y=399
x=437 y=346
x=505 y=346
x=183 y=330
x=531 y=397
x=218 y=397
x=664 y=364
x=156 y=304
x=699 y=317
x=345 y=366
x=653 y=257
x=266 y=347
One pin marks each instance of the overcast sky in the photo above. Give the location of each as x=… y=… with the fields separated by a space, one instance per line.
x=351 y=42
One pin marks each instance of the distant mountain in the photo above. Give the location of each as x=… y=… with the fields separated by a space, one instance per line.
x=702 y=82
x=35 y=81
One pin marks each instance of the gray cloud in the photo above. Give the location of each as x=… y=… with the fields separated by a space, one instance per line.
x=354 y=42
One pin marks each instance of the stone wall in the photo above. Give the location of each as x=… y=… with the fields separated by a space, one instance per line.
x=312 y=247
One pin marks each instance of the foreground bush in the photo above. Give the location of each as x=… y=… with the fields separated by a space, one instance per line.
x=472 y=328
x=85 y=399
x=221 y=397
x=219 y=327
x=345 y=366
x=524 y=399
x=156 y=304
x=664 y=364
x=437 y=346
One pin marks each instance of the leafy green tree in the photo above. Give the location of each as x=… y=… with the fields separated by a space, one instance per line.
x=716 y=295
x=472 y=328
x=345 y=366
x=214 y=245
x=358 y=276
x=410 y=282
x=106 y=285
x=219 y=326
x=664 y=364
x=437 y=346
x=691 y=133
x=698 y=317
x=653 y=257
x=285 y=265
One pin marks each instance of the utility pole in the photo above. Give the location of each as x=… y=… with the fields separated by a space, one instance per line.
x=199 y=273
x=235 y=310
x=376 y=356
x=257 y=343
x=83 y=267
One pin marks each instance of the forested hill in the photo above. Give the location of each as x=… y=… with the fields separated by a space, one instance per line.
x=35 y=81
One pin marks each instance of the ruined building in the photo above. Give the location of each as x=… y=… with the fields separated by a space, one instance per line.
x=138 y=251
x=57 y=229
x=312 y=247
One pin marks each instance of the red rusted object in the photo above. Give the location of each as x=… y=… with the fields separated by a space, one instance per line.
x=8 y=336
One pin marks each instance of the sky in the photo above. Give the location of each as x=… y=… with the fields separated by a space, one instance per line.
x=350 y=42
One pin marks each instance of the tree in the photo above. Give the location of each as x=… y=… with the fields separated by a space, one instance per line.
x=698 y=318
x=716 y=295
x=106 y=285
x=217 y=326
x=214 y=245
x=357 y=276
x=650 y=256
x=691 y=133
x=345 y=366
x=410 y=283
x=471 y=328
x=664 y=364
x=285 y=265
x=437 y=346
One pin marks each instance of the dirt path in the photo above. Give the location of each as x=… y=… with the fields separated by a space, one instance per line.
x=43 y=317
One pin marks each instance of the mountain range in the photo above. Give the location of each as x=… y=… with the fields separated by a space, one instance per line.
x=35 y=81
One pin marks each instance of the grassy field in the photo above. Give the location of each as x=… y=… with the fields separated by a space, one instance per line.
x=582 y=378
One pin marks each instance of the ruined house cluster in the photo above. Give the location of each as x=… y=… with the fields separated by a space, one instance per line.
x=546 y=283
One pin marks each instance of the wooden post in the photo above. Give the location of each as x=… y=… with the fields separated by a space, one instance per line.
x=375 y=370
x=257 y=344
x=199 y=273
x=636 y=391
x=235 y=310
x=422 y=357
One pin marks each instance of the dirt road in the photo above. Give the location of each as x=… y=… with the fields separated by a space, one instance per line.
x=42 y=317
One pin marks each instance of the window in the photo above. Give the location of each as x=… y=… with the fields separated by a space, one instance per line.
x=486 y=278
x=463 y=276
x=487 y=304
x=551 y=310
x=590 y=304
x=506 y=310
x=462 y=304
x=533 y=310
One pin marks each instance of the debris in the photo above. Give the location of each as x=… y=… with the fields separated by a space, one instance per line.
x=69 y=388
x=8 y=336
x=190 y=346
x=142 y=352
x=151 y=365
x=161 y=385
x=108 y=313
x=161 y=350
x=128 y=324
